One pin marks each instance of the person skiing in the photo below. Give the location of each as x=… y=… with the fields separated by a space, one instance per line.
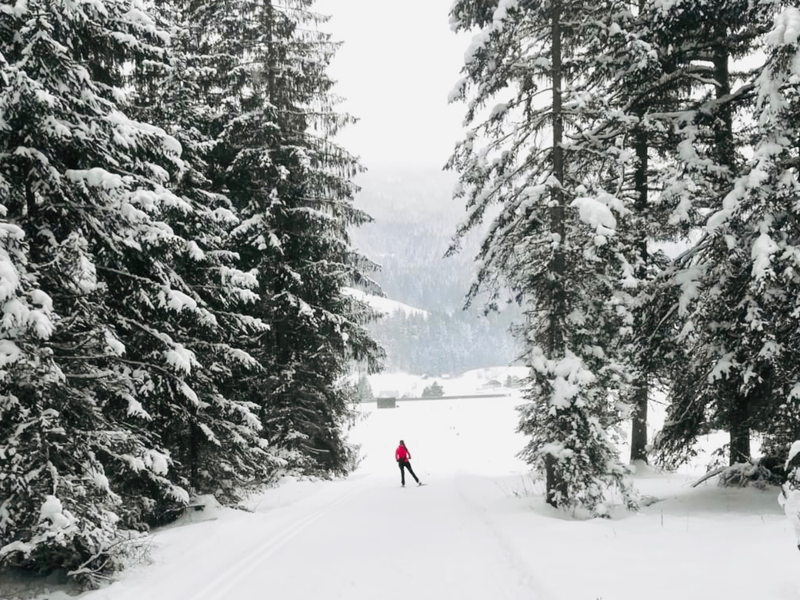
x=402 y=456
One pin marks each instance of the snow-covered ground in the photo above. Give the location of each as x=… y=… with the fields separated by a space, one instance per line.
x=473 y=532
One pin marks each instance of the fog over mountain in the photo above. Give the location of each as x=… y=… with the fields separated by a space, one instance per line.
x=415 y=218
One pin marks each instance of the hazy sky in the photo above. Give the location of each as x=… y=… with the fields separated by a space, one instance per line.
x=398 y=63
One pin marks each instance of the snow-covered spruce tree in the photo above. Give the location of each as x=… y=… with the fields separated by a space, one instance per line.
x=317 y=329
x=210 y=429
x=555 y=242
x=715 y=381
x=647 y=85
x=633 y=121
x=82 y=186
x=291 y=186
x=750 y=316
x=656 y=62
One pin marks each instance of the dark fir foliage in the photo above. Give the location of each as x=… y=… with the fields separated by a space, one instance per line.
x=291 y=187
x=680 y=117
x=173 y=250
x=84 y=200
x=727 y=365
x=204 y=413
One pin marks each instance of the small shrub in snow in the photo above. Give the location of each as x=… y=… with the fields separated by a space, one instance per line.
x=747 y=474
x=434 y=390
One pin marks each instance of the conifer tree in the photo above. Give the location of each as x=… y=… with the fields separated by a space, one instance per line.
x=717 y=380
x=555 y=241
x=290 y=185
x=749 y=252
x=83 y=192
x=212 y=431
x=317 y=329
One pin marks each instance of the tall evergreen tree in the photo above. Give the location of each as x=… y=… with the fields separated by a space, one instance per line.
x=317 y=329
x=175 y=320
x=754 y=303
x=212 y=432
x=83 y=194
x=291 y=186
x=717 y=380
x=555 y=242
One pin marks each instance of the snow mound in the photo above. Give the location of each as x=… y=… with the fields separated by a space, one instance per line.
x=786 y=29
x=385 y=305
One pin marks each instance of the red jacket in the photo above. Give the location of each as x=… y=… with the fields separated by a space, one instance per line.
x=402 y=453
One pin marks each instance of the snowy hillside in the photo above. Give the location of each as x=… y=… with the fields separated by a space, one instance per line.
x=385 y=305
x=478 y=530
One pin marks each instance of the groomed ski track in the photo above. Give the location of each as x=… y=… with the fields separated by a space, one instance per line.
x=363 y=538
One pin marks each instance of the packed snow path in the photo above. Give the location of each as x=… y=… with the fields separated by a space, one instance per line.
x=367 y=538
x=372 y=539
x=361 y=538
x=472 y=532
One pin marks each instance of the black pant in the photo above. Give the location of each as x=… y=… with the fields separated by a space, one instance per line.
x=404 y=464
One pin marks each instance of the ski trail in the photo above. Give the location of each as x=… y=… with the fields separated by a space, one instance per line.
x=470 y=487
x=235 y=550
x=231 y=577
x=364 y=538
x=386 y=543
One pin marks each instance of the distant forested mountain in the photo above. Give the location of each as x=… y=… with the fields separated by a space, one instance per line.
x=415 y=218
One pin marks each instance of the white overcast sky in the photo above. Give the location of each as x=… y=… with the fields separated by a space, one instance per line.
x=398 y=63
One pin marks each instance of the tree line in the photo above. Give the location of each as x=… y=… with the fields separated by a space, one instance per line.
x=173 y=246
x=642 y=158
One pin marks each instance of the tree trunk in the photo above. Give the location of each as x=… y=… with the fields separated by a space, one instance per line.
x=639 y=424
x=555 y=483
x=271 y=50
x=194 y=453
x=642 y=384
x=739 y=427
x=556 y=486
x=739 y=421
x=723 y=141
